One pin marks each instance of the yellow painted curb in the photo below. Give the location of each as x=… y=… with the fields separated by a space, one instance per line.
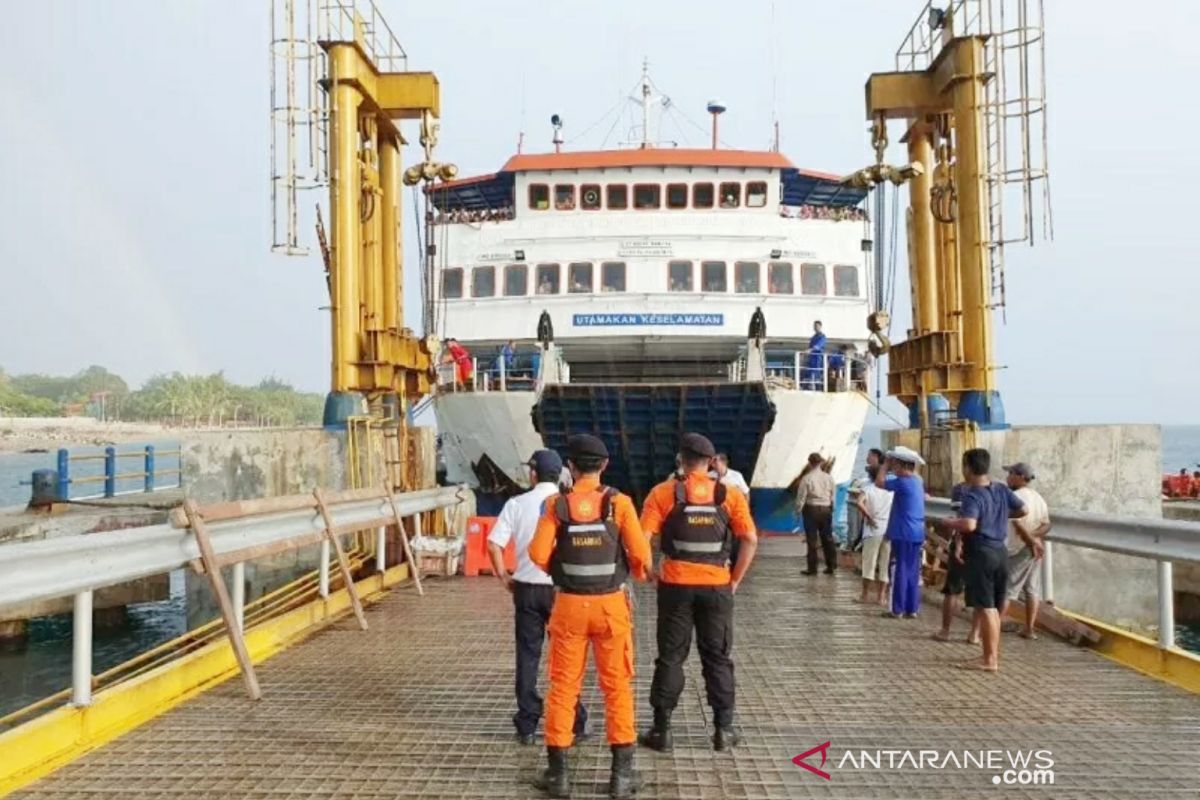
x=40 y=746
x=1175 y=666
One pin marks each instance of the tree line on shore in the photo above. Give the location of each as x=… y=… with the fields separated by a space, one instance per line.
x=172 y=399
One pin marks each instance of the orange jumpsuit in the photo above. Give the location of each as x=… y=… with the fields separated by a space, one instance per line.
x=602 y=619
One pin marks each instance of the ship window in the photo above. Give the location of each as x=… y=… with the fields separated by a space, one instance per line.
x=677 y=195
x=612 y=276
x=579 y=277
x=516 y=280
x=483 y=282
x=647 y=195
x=618 y=197
x=779 y=278
x=564 y=197
x=731 y=195
x=589 y=197
x=702 y=195
x=756 y=194
x=845 y=281
x=539 y=196
x=712 y=276
x=745 y=277
x=812 y=279
x=679 y=276
x=547 y=278
x=452 y=283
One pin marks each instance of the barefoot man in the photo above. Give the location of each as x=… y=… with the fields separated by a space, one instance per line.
x=987 y=507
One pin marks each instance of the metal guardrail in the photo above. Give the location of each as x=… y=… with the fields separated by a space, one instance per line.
x=148 y=457
x=78 y=565
x=1162 y=540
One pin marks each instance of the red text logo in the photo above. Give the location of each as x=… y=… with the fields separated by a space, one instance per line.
x=823 y=749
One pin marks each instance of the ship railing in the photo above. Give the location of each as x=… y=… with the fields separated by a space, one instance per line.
x=1165 y=541
x=226 y=534
x=830 y=213
x=491 y=374
x=817 y=371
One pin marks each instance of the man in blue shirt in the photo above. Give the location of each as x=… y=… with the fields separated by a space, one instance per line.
x=906 y=530
x=816 y=358
x=987 y=507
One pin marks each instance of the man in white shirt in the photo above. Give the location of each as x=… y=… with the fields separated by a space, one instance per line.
x=532 y=590
x=875 y=505
x=730 y=477
x=1026 y=540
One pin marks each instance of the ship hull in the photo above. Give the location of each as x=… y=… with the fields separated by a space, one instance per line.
x=488 y=436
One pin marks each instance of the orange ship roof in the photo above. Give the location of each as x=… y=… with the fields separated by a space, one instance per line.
x=646 y=157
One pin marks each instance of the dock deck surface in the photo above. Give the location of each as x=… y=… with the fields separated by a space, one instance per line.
x=420 y=707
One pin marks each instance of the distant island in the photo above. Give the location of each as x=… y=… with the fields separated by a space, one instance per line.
x=176 y=399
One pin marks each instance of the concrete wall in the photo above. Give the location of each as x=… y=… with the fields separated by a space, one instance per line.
x=1111 y=469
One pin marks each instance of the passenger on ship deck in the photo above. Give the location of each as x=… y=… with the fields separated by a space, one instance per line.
x=461 y=357
x=814 y=502
x=906 y=531
x=816 y=358
x=589 y=541
x=987 y=507
x=531 y=589
x=509 y=354
x=697 y=518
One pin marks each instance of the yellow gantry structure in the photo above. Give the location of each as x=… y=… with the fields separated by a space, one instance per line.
x=949 y=349
x=374 y=355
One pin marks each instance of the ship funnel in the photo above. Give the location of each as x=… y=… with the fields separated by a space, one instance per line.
x=716 y=108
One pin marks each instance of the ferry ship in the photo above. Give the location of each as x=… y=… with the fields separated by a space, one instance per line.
x=648 y=291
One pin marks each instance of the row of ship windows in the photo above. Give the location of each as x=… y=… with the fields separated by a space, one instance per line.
x=647 y=196
x=680 y=278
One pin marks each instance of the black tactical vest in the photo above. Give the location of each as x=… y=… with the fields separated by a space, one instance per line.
x=588 y=557
x=698 y=532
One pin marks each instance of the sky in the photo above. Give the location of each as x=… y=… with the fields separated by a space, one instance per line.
x=134 y=204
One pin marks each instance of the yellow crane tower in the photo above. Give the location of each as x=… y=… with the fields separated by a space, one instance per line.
x=960 y=117
x=352 y=70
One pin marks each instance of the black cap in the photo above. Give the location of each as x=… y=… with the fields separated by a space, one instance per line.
x=585 y=445
x=695 y=444
x=548 y=465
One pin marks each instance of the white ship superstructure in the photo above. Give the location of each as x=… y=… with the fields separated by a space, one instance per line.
x=635 y=284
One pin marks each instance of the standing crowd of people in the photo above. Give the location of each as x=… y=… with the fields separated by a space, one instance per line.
x=578 y=549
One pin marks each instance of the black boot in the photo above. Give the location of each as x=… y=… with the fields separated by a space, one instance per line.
x=554 y=780
x=726 y=737
x=659 y=737
x=623 y=783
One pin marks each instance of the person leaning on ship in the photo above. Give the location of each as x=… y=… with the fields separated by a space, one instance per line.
x=697 y=518
x=590 y=541
x=531 y=589
x=814 y=501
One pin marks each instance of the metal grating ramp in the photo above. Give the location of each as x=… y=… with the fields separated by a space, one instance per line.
x=641 y=424
x=419 y=707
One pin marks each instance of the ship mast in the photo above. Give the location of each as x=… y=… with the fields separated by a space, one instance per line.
x=645 y=103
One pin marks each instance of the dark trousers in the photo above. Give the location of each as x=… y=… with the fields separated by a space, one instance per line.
x=533 y=603
x=708 y=609
x=818 y=526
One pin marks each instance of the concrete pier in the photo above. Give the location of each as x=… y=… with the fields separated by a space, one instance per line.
x=1113 y=469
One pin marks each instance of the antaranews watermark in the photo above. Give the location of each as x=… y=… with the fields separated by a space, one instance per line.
x=1008 y=767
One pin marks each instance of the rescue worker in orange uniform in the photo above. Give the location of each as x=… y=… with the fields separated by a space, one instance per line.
x=697 y=518
x=589 y=541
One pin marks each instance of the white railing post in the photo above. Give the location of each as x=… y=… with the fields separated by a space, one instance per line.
x=824 y=372
x=1048 y=572
x=796 y=367
x=238 y=579
x=1166 y=606
x=81 y=650
x=474 y=373
x=323 y=570
x=381 y=550
x=503 y=374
